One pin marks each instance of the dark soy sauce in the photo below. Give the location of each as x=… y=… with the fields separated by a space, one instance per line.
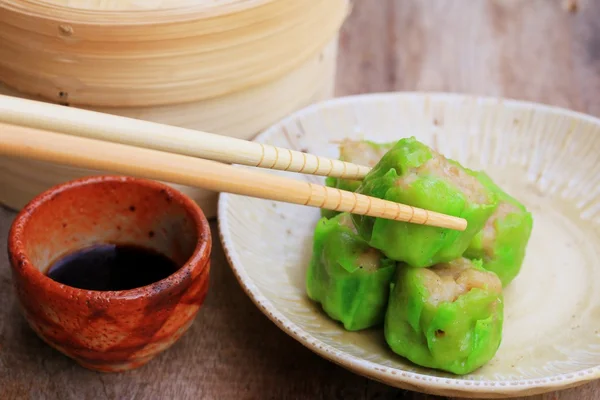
x=111 y=267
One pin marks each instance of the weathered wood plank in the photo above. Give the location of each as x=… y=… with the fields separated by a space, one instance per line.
x=526 y=49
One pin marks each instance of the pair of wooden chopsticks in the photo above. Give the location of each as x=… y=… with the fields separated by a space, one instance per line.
x=91 y=140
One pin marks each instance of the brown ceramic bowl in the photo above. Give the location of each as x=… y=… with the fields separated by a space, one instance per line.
x=110 y=330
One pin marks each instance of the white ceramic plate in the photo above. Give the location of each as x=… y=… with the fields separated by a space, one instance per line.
x=548 y=158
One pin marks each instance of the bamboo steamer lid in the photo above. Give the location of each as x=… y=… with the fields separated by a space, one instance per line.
x=127 y=53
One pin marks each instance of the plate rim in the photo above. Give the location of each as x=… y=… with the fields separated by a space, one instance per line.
x=369 y=369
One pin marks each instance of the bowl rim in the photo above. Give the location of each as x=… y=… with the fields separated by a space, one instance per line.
x=22 y=265
x=424 y=382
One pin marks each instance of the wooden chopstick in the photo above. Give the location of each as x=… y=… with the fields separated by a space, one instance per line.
x=59 y=148
x=152 y=135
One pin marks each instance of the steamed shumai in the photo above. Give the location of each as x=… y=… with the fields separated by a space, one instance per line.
x=414 y=174
x=348 y=278
x=502 y=242
x=448 y=317
x=361 y=152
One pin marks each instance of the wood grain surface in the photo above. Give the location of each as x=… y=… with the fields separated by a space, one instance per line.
x=525 y=49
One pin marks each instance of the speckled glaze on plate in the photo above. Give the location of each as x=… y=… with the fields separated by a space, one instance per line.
x=549 y=158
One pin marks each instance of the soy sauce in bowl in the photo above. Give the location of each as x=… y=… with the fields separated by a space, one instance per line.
x=107 y=267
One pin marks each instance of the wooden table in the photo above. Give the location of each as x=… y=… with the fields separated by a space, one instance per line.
x=527 y=49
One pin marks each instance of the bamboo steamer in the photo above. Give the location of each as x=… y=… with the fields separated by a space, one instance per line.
x=142 y=53
x=231 y=67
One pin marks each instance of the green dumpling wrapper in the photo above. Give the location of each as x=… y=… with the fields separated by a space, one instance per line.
x=502 y=242
x=347 y=277
x=413 y=174
x=361 y=152
x=448 y=317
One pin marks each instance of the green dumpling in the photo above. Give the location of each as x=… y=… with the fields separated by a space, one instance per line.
x=502 y=242
x=448 y=317
x=413 y=174
x=361 y=152
x=347 y=277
